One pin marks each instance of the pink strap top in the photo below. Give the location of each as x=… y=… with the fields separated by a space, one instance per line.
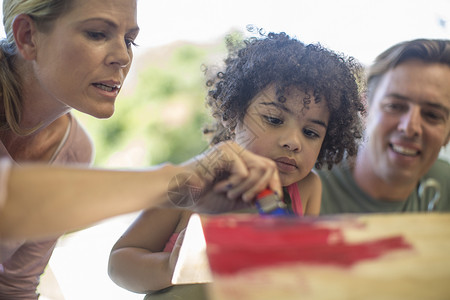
x=294 y=193
x=171 y=242
x=21 y=261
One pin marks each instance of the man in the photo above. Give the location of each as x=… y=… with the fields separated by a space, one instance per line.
x=397 y=168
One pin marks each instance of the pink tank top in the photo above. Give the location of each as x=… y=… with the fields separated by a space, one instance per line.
x=21 y=261
x=171 y=242
x=294 y=193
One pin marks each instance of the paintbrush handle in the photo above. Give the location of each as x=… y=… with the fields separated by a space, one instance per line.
x=269 y=203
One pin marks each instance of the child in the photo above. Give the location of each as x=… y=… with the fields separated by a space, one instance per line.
x=294 y=103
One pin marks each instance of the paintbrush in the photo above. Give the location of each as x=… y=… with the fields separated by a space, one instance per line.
x=269 y=203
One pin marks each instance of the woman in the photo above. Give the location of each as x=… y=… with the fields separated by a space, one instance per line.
x=64 y=54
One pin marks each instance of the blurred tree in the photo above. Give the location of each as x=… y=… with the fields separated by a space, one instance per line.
x=162 y=118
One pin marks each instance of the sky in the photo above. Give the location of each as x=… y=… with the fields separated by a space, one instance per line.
x=359 y=28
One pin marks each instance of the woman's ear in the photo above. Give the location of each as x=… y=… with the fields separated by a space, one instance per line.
x=24 y=30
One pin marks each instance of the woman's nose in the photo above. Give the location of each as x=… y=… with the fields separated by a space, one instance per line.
x=119 y=55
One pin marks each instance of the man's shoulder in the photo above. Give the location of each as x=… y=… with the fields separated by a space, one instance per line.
x=340 y=193
x=337 y=171
x=440 y=165
x=440 y=171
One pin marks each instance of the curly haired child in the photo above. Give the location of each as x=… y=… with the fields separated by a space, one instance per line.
x=298 y=104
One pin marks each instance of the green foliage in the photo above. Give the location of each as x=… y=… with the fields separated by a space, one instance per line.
x=162 y=118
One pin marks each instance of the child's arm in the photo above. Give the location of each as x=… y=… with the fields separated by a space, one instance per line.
x=137 y=261
x=311 y=192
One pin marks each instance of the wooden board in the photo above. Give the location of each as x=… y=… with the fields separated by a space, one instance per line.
x=378 y=256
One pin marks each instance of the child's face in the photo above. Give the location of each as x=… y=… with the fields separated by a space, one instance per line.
x=288 y=133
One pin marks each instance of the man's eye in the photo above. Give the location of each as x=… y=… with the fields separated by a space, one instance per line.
x=394 y=107
x=433 y=117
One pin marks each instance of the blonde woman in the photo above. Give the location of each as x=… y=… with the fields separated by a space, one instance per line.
x=61 y=55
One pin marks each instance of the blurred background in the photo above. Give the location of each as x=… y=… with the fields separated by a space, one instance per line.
x=160 y=110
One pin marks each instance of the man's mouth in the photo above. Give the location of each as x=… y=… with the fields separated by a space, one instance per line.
x=404 y=150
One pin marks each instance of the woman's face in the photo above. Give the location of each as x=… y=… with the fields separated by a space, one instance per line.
x=83 y=61
x=288 y=133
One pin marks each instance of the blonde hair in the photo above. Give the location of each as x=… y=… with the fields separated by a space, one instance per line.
x=43 y=12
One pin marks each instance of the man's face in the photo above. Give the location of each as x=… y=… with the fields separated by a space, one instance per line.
x=409 y=121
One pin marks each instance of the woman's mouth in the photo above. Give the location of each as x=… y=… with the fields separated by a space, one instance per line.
x=106 y=87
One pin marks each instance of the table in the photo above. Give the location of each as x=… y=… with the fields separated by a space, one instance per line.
x=376 y=256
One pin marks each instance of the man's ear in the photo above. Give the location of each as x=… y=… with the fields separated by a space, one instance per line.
x=447 y=140
x=24 y=30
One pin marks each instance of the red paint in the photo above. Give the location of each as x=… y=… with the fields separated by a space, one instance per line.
x=264 y=193
x=237 y=242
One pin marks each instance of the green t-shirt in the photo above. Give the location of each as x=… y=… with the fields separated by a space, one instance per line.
x=341 y=194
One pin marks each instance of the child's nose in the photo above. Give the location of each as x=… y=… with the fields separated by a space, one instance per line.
x=291 y=141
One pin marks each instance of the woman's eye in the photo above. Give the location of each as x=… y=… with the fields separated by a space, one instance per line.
x=273 y=120
x=96 y=35
x=130 y=42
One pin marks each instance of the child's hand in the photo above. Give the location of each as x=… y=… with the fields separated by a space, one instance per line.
x=228 y=176
x=176 y=251
x=249 y=173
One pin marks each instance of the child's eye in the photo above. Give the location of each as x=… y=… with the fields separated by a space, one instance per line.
x=310 y=134
x=273 y=120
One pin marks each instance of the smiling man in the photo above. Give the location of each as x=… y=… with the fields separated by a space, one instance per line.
x=408 y=124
